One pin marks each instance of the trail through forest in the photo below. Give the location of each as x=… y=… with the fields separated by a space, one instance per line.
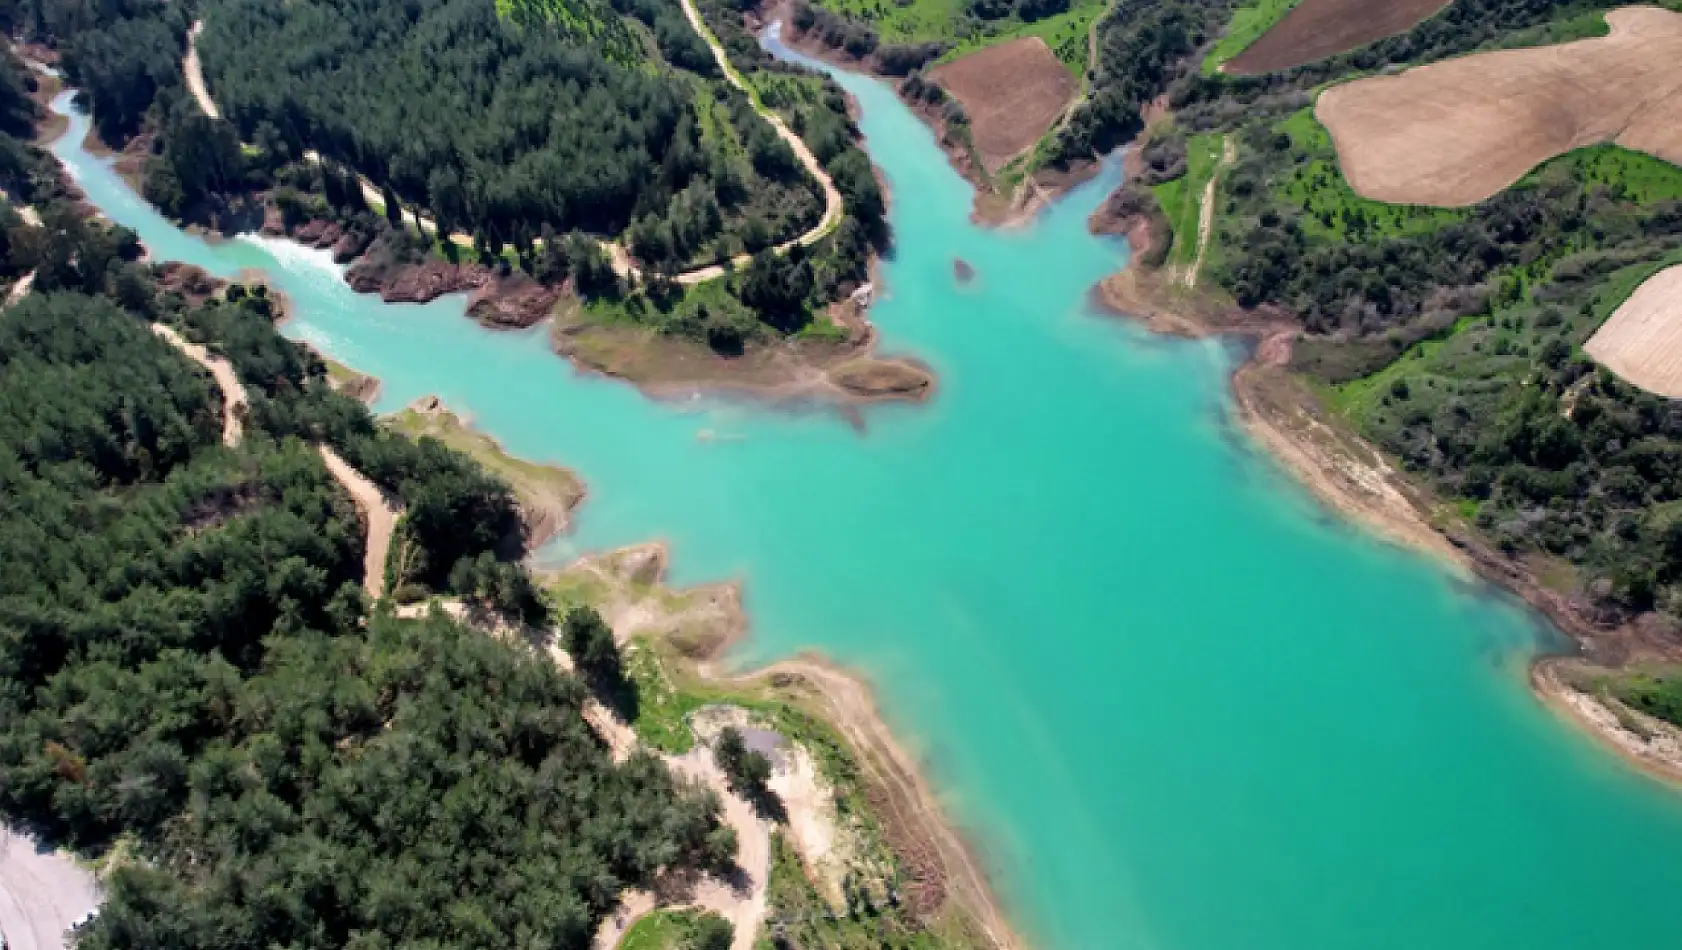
x=379 y=511
x=622 y=263
x=234 y=404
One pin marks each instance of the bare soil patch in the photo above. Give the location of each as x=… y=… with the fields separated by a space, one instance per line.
x=1642 y=341
x=1012 y=92
x=1456 y=132
x=1316 y=29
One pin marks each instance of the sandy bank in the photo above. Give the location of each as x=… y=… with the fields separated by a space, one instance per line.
x=1568 y=687
x=943 y=878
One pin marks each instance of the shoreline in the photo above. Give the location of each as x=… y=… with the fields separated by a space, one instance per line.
x=946 y=875
x=901 y=796
x=1651 y=746
x=989 y=208
x=1355 y=481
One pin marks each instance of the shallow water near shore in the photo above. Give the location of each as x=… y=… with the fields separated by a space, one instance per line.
x=1175 y=704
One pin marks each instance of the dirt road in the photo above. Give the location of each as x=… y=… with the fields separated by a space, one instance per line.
x=41 y=894
x=1206 y=211
x=234 y=404
x=380 y=511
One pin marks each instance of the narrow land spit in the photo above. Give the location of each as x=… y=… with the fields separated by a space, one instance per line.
x=1453 y=133
x=1642 y=341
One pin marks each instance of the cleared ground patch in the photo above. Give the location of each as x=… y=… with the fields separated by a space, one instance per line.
x=1316 y=29
x=1454 y=133
x=1012 y=92
x=1642 y=341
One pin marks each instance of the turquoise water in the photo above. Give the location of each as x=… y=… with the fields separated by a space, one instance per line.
x=1176 y=705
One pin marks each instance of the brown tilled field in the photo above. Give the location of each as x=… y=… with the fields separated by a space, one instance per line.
x=1013 y=92
x=1316 y=29
x=1456 y=132
x=1642 y=341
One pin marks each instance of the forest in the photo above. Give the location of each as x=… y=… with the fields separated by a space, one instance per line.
x=503 y=123
x=662 y=154
x=192 y=681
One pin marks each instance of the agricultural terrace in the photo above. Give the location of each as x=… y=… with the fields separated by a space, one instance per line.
x=1454 y=133
x=1312 y=30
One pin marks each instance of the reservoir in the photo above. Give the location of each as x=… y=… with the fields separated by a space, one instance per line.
x=1175 y=704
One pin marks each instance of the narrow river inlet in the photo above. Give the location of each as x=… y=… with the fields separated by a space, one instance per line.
x=1173 y=703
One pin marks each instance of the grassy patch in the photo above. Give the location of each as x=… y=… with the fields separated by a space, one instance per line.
x=1248 y=24
x=920 y=21
x=914 y=22
x=1182 y=198
x=662 y=708
x=1066 y=34
x=663 y=930
x=1636 y=175
x=1656 y=691
x=1332 y=211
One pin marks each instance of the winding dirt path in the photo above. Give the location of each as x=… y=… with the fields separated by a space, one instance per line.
x=378 y=510
x=741 y=901
x=41 y=894
x=1206 y=212
x=622 y=263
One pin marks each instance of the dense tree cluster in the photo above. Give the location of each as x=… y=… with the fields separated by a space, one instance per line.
x=186 y=661
x=857 y=38
x=120 y=54
x=501 y=126
x=1143 y=46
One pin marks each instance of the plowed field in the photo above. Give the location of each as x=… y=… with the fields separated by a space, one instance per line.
x=1456 y=132
x=1012 y=93
x=1316 y=29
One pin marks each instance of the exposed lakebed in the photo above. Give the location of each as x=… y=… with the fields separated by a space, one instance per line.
x=1176 y=704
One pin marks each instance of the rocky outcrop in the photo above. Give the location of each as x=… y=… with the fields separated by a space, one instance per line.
x=419 y=282
x=1133 y=213
x=512 y=302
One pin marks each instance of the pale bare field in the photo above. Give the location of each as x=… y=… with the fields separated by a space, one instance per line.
x=1642 y=341
x=1012 y=92
x=1453 y=133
